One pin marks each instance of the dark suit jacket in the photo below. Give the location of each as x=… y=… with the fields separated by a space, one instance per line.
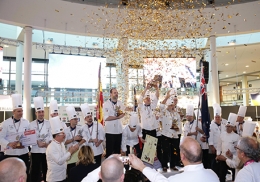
x=80 y=171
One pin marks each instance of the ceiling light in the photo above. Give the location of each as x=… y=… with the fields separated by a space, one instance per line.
x=227 y=83
x=257 y=77
x=6 y=45
x=226 y=64
x=232 y=42
x=247 y=66
x=226 y=75
x=244 y=71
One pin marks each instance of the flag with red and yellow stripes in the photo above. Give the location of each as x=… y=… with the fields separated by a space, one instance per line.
x=100 y=98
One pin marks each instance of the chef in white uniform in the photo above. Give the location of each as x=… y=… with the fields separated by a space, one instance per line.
x=192 y=127
x=54 y=111
x=15 y=126
x=131 y=134
x=113 y=110
x=146 y=105
x=217 y=126
x=44 y=137
x=240 y=119
x=56 y=153
x=73 y=133
x=226 y=144
x=171 y=124
x=93 y=133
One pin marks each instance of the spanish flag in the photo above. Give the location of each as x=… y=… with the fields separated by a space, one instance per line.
x=100 y=98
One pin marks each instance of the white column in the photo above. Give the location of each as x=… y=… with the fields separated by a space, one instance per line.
x=213 y=73
x=122 y=70
x=245 y=93
x=19 y=69
x=27 y=72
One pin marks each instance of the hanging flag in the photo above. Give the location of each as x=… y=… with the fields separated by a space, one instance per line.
x=205 y=117
x=135 y=100
x=100 y=99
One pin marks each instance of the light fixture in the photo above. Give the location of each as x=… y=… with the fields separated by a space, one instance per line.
x=244 y=71
x=226 y=75
x=6 y=45
x=257 y=77
x=247 y=66
x=226 y=64
x=232 y=42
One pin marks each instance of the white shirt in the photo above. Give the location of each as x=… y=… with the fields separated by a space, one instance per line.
x=57 y=156
x=195 y=173
x=95 y=131
x=190 y=127
x=11 y=128
x=130 y=138
x=167 y=118
x=148 y=118
x=71 y=134
x=227 y=141
x=249 y=173
x=43 y=133
x=215 y=132
x=113 y=126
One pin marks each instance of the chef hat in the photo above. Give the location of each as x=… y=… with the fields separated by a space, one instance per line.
x=196 y=113
x=248 y=128
x=242 y=111
x=189 y=110
x=232 y=118
x=85 y=110
x=17 y=101
x=56 y=126
x=217 y=109
x=133 y=120
x=38 y=104
x=53 y=107
x=70 y=110
x=169 y=101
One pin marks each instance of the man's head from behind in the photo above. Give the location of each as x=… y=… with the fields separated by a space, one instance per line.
x=112 y=170
x=12 y=170
x=190 y=151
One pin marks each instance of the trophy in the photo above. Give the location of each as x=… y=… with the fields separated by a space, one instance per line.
x=175 y=124
x=118 y=111
x=19 y=144
x=79 y=134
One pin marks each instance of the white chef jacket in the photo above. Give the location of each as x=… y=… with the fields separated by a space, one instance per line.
x=43 y=133
x=227 y=141
x=215 y=132
x=195 y=173
x=249 y=173
x=71 y=134
x=148 y=118
x=57 y=156
x=113 y=126
x=9 y=128
x=91 y=133
x=239 y=132
x=130 y=138
x=191 y=127
x=167 y=118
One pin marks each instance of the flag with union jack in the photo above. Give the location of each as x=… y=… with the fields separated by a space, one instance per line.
x=205 y=116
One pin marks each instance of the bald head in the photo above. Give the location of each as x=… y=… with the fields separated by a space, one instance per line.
x=112 y=170
x=191 y=151
x=12 y=170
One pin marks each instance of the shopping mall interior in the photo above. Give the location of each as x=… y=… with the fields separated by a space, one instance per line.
x=54 y=48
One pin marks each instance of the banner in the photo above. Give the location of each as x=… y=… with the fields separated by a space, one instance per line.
x=255 y=99
x=100 y=100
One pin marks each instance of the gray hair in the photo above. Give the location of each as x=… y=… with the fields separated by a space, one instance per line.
x=251 y=148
